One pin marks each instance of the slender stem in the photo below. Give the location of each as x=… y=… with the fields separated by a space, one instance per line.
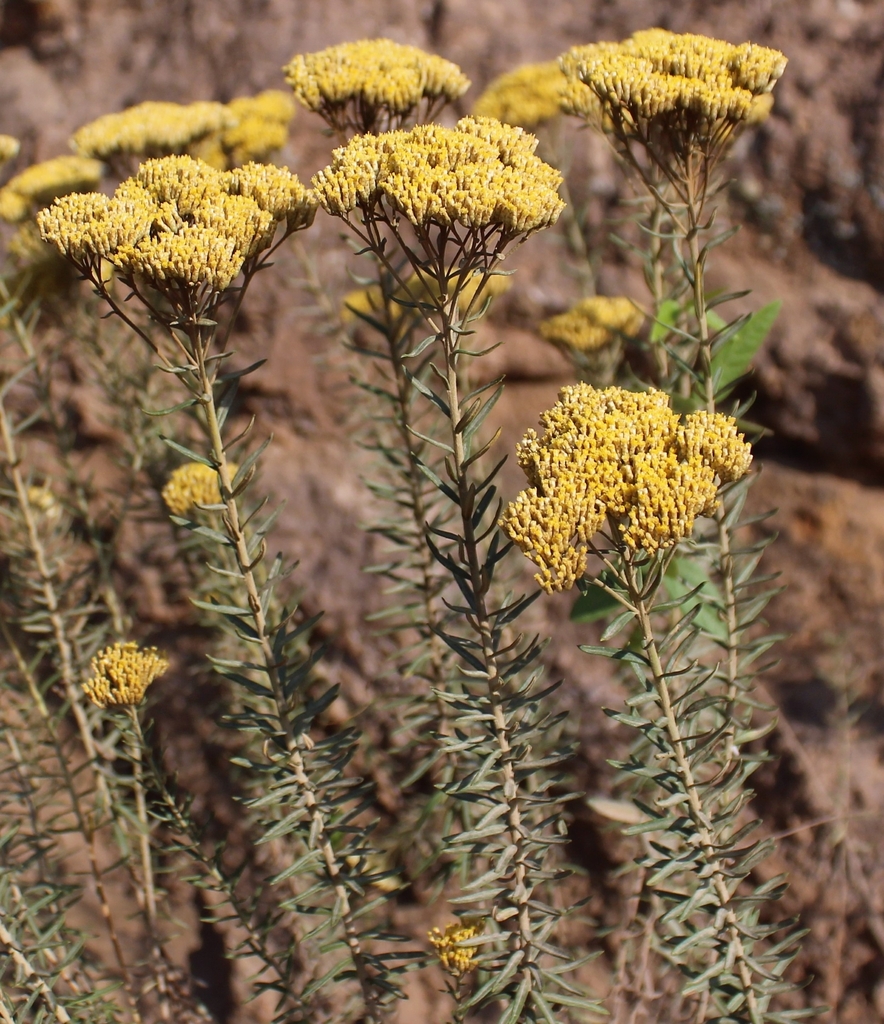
x=726 y=560
x=480 y=620
x=295 y=743
x=148 y=887
x=19 y=958
x=84 y=820
x=700 y=817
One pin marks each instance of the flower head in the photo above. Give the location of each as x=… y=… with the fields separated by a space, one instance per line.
x=9 y=147
x=455 y=958
x=373 y=84
x=179 y=220
x=191 y=485
x=43 y=182
x=593 y=323
x=122 y=673
x=676 y=94
x=478 y=174
x=622 y=458
x=261 y=128
x=152 y=129
x=527 y=96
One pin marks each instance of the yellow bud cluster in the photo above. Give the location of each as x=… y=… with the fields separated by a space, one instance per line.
x=370 y=301
x=43 y=182
x=373 y=80
x=122 y=673
x=620 y=457
x=478 y=174
x=180 y=220
x=261 y=128
x=688 y=84
x=9 y=147
x=190 y=485
x=456 y=960
x=593 y=323
x=527 y=96
x=277 y=191
x=151 y=129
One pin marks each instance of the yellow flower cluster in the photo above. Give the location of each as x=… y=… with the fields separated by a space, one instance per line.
x=455 y=959
x=261 y=128
x=190 y=485
x=151 y=129
x=372 y=83
x=620 y=457
x=180 y=220
x=370 y=301
x=9 y=147
x=527 y=96
x=593 y=323
x=480 y=173
x=690 y=84
x=43 y=182
x=122 y=673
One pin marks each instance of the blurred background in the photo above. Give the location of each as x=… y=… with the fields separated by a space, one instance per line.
x=808 y=187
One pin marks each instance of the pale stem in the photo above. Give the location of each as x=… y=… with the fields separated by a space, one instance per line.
x=481 y=623
x=136 y=752
x=699 y=815
x=695 y=213
x=294 y=743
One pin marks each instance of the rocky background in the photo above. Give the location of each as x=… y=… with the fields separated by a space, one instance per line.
x=809 y=187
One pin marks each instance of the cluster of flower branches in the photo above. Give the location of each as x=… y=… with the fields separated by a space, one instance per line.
x=635 y=493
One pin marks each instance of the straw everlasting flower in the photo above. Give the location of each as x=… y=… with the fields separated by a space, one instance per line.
x=622 y=458
x=152 y=129
x=122 y=673
x=261 y=127
x=374 y=84
x=179 y=221
x=9 y=147
x=43 y=182
x=191 y=485
x=527 y=96
x=593 y=323
x=479 y=174
x=678 y=95
x=456 y=959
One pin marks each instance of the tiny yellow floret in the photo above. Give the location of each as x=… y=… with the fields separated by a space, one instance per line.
x=526 y=97
x=373 y=84
x=191 y=485
x=152 y=129
x=455 y=956
x=122 y=673
x=480 y=173
x=593 y=323
x=620 y=458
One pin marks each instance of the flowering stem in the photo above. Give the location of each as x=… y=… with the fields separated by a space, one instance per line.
x=726 y=561
x=148 y=889
x=295 y=743
x=521 y=888
x=85 y=824
x=699 y=815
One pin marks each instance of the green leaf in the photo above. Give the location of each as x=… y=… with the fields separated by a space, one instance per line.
x=667 y=315
x=733 y=359
x=594 y=603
